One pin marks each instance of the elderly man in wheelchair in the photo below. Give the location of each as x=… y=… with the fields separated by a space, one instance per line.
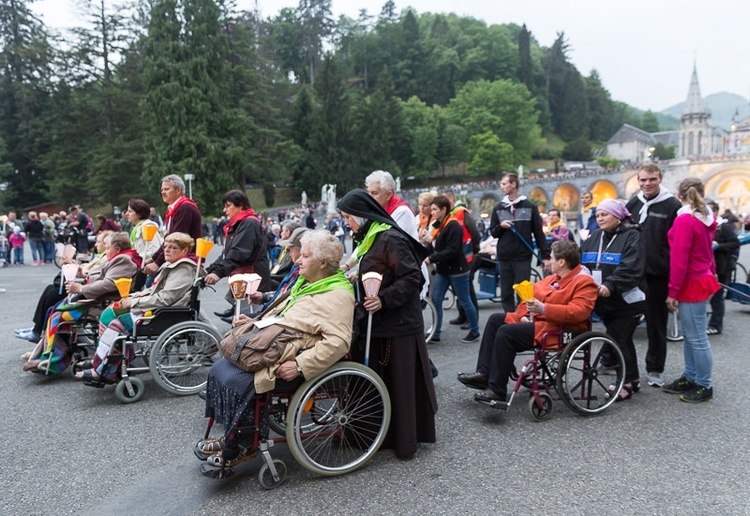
x=298 y=338
x=565 y=299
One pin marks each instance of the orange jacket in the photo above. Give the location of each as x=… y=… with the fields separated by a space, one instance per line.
x=568 y=302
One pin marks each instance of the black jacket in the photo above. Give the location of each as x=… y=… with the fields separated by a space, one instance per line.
x=727 y=245
x=401 y=314
x=654 y=233
x=447 y=250
x=244 y=247
x=621 y=264
x=527 y=222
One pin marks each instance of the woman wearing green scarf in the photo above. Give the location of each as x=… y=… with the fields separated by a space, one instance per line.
x=398 y=352
x=318 y=310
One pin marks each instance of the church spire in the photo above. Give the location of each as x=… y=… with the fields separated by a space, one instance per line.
x=694 y=104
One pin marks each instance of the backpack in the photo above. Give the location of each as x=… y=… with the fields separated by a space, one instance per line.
x=89 y=223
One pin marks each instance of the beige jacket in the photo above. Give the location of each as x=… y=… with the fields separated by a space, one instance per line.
x=324 y=322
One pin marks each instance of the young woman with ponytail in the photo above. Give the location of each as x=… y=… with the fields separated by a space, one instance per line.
x=692 y=281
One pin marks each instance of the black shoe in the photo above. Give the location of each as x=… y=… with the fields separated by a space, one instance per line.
x=471 y=337
x=679 y=386
x=491 y=398
x=457 y=321
x=229 y=312
x=227 y=319
x=465 y=326
x=699 y=394
x=202 y=395
x=434 y=340
x=474 y=380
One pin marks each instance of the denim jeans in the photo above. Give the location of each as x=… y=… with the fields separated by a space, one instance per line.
x=460 y=286
x=37 y=249
x=698 y=357
x=18 y=255
x=49 y=252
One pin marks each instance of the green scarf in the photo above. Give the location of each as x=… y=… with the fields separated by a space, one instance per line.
x=301 y=287
x=372 y=232
x=134 y=231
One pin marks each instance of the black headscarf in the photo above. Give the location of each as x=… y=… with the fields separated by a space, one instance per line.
x=360 y=203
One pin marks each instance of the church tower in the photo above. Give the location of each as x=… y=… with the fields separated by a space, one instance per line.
x=695 y=131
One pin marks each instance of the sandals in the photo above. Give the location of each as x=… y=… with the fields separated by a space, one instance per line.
x=85 y=364
x=228 y=458
x=207 y=447
x=713 y=331
x=87 y=375
x=626 y=392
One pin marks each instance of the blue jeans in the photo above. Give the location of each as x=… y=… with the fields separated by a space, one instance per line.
x=37 y=249
x=18 y=256
x=698 y=357
x=49 y=252
x=460 y=286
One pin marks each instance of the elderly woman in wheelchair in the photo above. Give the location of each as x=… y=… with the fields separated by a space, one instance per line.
x=564 y=299
x=53 y=353
x=310 y=327
x=172 y=287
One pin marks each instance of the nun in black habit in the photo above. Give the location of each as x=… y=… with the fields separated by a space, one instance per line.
x=398 y=352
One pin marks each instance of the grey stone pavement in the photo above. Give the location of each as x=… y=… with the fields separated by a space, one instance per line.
x=72 y=449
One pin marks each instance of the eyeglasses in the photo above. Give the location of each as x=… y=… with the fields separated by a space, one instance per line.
x=172 y=247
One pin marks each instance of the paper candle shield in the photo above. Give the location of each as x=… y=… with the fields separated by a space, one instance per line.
x=203 y=247
x=238 y=284
x=525 y=290
x=123 y=286
x=149 y=232
x=371 y=282
x=253 y=282
x=69 y=271
x=69 y=251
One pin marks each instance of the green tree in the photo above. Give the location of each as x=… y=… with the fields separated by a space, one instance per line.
x=601 y=110
x=488 y=155
x=504 y=108
x=578 y=150
x=26 y=83
x=574 y=112
x=649 y=122
x=525 y=67
x=662 y=152
x=193 y=122
x=556 y=71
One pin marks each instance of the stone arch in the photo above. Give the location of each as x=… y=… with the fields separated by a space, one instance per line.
x=631 y=186
x=565 y=197
x=487 y=202
x=539 y=195
x=730 y=188
x=603 y=189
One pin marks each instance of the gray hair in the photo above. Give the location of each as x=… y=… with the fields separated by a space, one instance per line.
x=290 y=225
x=324 y=246
x=176 y=181
x=383 y=178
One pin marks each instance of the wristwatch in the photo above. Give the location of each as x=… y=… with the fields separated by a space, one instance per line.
x=299 y=369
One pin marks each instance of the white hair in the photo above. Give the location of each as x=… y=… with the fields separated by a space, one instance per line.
x=324 y=246
x=177 y=182
x=383 y=178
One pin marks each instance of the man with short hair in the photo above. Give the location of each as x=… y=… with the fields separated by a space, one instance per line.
x=587 y=216
x=182 y=216
x=655 y=209
x=514 y=220
x=80 y=220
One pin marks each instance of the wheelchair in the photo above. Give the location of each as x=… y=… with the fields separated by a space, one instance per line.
x=574 y=374
x=333 y=424
x=172 y=343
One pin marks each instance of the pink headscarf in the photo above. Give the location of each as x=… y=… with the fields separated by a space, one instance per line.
x=614 y=208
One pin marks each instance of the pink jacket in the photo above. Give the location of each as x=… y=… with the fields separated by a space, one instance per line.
x=691 y=261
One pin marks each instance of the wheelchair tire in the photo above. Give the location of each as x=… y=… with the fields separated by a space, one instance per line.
x=673 y=327
x=449 y=300
x=122 y=393
x=337 y=421
x=429 y=315
x=265 y=476
x=182 y=356
x=544 y=413
x=582 y=387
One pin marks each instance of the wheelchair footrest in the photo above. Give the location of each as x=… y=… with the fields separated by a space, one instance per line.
x=218 y=472
x=497 y=405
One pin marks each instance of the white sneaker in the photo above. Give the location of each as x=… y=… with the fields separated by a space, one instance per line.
x=656 y=379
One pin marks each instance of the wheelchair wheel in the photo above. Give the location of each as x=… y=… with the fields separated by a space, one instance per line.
x=429 y=315
x=124 y=395
x=337 y=421
x=582 y=387
x=449 y=299
x=543 y=413
x=182 y=356
x=265 y=475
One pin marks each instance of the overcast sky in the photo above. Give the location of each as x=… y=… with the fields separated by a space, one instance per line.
x=643 y=49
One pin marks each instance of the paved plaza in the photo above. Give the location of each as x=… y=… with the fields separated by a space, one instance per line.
x=72 y=449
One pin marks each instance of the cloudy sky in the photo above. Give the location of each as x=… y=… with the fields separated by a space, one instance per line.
x=643 y=49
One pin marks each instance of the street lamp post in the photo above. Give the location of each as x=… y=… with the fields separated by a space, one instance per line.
x=189 y=178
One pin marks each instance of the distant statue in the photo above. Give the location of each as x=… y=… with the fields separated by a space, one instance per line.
x=304 y=198
x=329 y=198
x=398 y=184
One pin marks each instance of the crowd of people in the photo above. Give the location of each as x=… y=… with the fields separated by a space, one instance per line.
x=312 y=288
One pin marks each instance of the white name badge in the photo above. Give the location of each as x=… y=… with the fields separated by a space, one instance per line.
x=597 y=276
